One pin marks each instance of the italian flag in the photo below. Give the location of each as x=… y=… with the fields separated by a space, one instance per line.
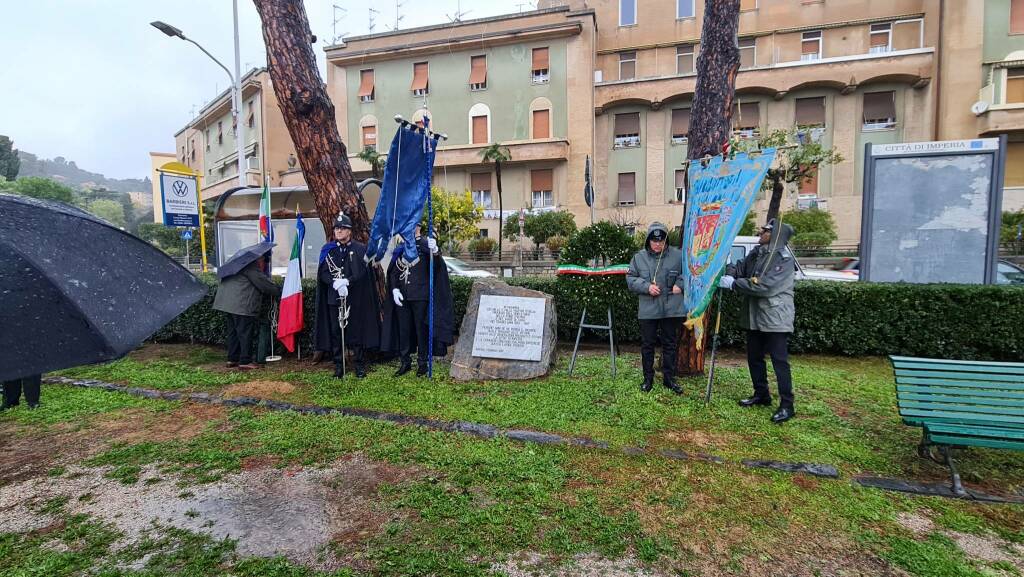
x=266 y=232
x=289 y=318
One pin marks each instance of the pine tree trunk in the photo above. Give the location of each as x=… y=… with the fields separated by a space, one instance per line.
x=711 y=123
x=778 y=187
x=309 y=114
x=501 y=208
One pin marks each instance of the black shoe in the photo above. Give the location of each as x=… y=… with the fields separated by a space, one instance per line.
x=672 y=386
x=339 y=373
x=755 y=401
x=360 y=372
x=33 y=405
x=783 y=414
x=5 y=406
x=648 y=384
x=421 y=371
x=405 y=367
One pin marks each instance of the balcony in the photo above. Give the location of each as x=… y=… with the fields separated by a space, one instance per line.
x=458 y=155
x=1000 y=119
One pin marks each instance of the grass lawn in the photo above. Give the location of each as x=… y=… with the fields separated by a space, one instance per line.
x=458 y=505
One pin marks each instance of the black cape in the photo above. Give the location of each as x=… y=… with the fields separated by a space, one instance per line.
x=444 y=308
x=363 y=329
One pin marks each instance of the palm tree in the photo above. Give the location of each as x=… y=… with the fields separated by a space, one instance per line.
x=370 y=156
x=497 y=153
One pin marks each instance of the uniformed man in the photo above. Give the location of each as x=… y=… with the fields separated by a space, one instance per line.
x=765 y=279
x=655 y=276
x=344 y=277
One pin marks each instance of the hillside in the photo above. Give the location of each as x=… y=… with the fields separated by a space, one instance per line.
x=67 y=172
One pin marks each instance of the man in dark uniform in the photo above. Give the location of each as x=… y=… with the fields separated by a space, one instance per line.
x=13 y=389
x=343 y=276
x=765 y=280
x=406 y=317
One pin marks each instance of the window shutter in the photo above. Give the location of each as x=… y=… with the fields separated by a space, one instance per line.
x=365 y=83
x=628 y=123
x=541 y=124
x=479 y=130
x=879 y=106
x=1016 y=16
x=541 y=180
x=480 y=181
x=906 y=35
x=810 y=111
x=627 y=187
x=680 y=122
x=747 y=115
x=478 y=70
x=419 y=76
x=680 y=178
x=369 y=136
x=540 y=59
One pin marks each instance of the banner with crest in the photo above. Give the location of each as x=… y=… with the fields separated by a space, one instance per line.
x=718 y=199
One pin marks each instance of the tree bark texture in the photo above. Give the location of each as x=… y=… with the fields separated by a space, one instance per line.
x=309 y=114
x=711 y=124
x=778 y=187
x=501 y=209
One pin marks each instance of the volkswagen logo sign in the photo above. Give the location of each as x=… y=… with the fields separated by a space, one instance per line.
x=180 y=188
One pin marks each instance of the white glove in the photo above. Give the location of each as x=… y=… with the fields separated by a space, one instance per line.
x=342 y=291
x=397 y=295
x=340 y=282
x=726 y=282
x=432 y=244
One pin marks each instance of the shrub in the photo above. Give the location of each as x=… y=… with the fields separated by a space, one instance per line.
x=541 y=226
x=811 y=241
x=812 y=221
x=854 y=319
x=555 y=244
x=481 y=248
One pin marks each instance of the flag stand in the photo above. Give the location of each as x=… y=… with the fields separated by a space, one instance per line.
x=579 y=333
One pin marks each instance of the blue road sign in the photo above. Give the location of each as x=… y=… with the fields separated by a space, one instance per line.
x=186 y=234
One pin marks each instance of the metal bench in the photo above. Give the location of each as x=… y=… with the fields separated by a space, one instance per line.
x=961 y=404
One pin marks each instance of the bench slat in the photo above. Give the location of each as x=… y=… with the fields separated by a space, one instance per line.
x=1000 y=432
x=897 y=359
x=960 y=400
x=915 y=380
x=973 y=369
x=960 y=416
x=961 y=408
x=962 y=376
x=977 y=442
x=932 y=421
x=964 y=392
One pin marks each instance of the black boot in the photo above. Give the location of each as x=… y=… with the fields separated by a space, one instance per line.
x=421 y=370
x=361 y=370
x=405 y=367
x=783 y=414
x=755 y=401
x=670 y=383
x=339 y=371
x=648 y=384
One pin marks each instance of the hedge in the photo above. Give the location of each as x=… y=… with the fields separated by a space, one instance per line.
x=943 y=321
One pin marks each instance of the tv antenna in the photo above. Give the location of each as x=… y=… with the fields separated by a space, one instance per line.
x=344 y=13
x=373 y=19
x=532 y=6
x=398 y=12
x=459 y=14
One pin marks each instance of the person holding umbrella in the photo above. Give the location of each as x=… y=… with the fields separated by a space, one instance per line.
x=239 y=296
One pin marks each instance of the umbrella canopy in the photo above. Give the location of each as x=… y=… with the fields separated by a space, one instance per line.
x=243 y=257
x=588 y=190
x=75 y=290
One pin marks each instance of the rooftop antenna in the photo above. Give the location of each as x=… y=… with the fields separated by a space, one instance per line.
x=344 y=13
x=532 y=5
x=373 y=19
x=398 y=12
x=457 y=17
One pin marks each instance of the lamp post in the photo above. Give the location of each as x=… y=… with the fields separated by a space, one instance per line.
x=236 y=87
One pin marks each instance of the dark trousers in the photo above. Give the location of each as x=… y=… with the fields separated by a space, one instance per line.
x=13 y=389
x=652 y=332
x=415 y=328
x=240 y=338
x=774 y=344
x=337 y=351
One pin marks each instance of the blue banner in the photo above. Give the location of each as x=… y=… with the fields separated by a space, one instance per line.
x=717 y=202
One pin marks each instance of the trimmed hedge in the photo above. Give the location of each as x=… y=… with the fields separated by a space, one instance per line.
x=943 y=321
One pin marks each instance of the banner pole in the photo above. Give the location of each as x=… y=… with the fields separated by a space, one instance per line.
x=202 y=222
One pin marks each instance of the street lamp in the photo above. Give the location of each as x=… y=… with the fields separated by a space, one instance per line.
x=236 y=86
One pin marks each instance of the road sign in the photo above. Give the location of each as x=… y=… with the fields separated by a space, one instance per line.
x=186 y=234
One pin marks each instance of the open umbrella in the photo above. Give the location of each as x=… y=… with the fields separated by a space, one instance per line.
x=75 y=290
x=243 y=258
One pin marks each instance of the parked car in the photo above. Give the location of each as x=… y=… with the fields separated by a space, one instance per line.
x=744 y=244
x=1009 y=273
x=457 y=267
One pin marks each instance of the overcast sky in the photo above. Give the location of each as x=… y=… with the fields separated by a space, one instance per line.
x=92 y=81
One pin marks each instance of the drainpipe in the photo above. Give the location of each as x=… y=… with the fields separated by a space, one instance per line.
x=939 y=49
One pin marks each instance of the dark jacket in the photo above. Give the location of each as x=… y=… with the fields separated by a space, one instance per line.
x=242 y=293
x=363 y=329
x=765 y=280
x=668 y=268
x=418 y=289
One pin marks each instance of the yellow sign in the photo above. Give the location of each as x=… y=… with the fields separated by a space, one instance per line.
x=183 y=170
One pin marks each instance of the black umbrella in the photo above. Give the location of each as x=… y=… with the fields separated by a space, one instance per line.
x=243 y=258
x=75 y=290
x=588 y=189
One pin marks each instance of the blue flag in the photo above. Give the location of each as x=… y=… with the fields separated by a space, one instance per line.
x=719 y=197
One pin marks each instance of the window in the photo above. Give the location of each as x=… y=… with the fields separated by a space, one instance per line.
x=810 y=111
x=207 y=139
x=420 y=83
x=366 y=85
x=192 y=143
x=748 y=52
x=220 y=132
x=680 y=125
x=251 y=121
x=810 y=45
x=1016 y=16
x=1014 y=164
x=252 y=162
x=1014 y=86
x=879 y=110
x=907 y=34
x=480 y=130
x=684 y=59
x=627 y=65
x=746 y=119
x=627 y=130
x=748 y=5
x=480 y=185
x=680 y=183
x=627 y=12
x=684 y=9
x=542 y=124
x=370 y=137
x=809 y=185
x=478 y=73
x=541 y=183
x=482 y=233
x=627 y=188
x=540 y=66
x=881 y=38
x=183 y=154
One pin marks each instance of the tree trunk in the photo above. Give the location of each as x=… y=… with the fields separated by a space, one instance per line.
x=778 y=187
x=309 y=114
x=711 y=122
x=501 y=208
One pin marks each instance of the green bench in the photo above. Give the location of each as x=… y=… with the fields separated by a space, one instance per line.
x=961 y=404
